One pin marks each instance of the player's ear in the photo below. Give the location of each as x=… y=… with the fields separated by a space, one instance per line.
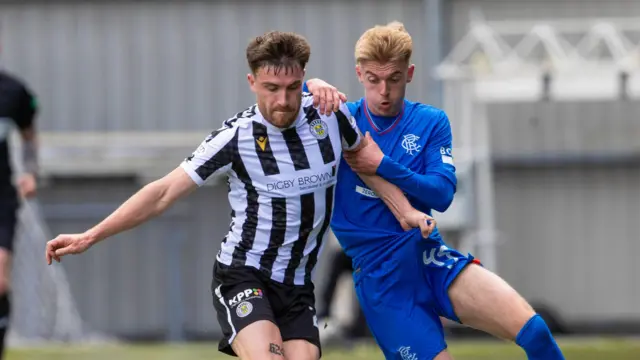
x=359 y=73
x=252 y=81
x=410 y=71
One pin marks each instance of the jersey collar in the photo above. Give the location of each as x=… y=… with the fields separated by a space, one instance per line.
x=375 y=126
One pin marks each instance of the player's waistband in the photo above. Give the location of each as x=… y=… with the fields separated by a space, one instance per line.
x=364 y=265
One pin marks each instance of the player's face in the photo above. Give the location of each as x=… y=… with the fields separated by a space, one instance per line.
x=384 y=85
x=278 y=93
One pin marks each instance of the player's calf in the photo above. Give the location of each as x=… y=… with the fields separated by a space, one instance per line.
x=483 y=300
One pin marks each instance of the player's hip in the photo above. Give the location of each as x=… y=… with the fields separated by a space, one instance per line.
x=392 y=258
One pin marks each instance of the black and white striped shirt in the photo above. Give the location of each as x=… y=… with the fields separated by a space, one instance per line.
x=280 y=186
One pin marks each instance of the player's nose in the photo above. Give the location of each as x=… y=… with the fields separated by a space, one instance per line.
x=384 y=89
x=281 y=99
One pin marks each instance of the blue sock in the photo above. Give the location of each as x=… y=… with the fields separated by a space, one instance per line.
x=536 y=340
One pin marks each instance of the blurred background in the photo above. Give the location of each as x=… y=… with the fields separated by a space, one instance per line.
x=543 y=100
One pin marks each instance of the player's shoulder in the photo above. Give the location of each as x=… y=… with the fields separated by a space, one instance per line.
x=230 y=127
x=307 y=107
x=242 y=119
x=426 y=119
x=12 y=82
x=426 y=111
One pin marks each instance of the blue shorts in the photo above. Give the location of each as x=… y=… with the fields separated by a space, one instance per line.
x=404 y=297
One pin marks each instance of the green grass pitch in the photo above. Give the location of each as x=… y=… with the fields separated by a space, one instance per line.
x=582 y=349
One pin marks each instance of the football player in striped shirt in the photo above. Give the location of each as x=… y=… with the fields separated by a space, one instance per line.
x=279 y=157
x=410 y=146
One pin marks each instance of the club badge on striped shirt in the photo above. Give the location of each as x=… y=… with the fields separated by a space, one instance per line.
x=319 y=129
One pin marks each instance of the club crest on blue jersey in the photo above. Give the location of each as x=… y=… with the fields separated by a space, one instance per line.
x=319 y=129
x=410 y=145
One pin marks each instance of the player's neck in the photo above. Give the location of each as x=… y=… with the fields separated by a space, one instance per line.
x=393 y=114
x=268 y=119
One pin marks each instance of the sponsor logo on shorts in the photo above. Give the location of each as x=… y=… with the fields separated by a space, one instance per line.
x=406 y=354
x=245 y=295
x=442 y=258
x=245 y=308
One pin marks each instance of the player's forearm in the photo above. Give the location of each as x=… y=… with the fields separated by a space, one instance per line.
x=391 y=195
x=431 y=189
x=147 y=203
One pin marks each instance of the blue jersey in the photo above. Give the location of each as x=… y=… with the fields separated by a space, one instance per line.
x=418 y=159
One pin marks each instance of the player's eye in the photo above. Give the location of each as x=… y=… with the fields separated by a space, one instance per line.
x=395 y=79
x=373 y=80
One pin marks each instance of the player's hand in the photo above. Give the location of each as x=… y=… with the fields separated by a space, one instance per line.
x=66 y=244
x=418 y=219
x=27 y=185
x=367 y=159
x=326 y=97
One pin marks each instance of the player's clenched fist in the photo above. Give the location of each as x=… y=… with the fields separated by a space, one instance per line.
x=418 y=219
x=66 y=244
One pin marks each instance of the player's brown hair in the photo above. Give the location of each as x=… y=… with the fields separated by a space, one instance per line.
x=384 y=43
x=278 y=50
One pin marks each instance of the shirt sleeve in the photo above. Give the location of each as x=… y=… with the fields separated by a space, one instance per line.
x=435 y=186
x=26 y=109
x=214 y=157
x=349 y=132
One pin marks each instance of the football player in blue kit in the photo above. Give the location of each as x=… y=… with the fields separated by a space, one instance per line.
x=404 y=282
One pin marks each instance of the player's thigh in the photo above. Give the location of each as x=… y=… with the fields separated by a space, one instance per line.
x=444 y=355
x=296 y=317
x=245 y=316
x=483 y=300
x=401 y=328
x=259 y=340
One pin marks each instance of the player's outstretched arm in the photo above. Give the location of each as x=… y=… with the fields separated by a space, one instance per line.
x=211 y=159
x=150 y=201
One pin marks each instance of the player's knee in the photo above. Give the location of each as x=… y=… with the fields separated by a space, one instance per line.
x=4 y=285
x=258 y=350
x=300 y=350
x=5 y=276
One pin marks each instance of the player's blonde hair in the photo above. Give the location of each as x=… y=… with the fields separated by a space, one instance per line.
x=384 y=43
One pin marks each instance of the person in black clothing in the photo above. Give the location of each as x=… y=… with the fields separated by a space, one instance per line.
x=17 y=109
x=340 y=265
